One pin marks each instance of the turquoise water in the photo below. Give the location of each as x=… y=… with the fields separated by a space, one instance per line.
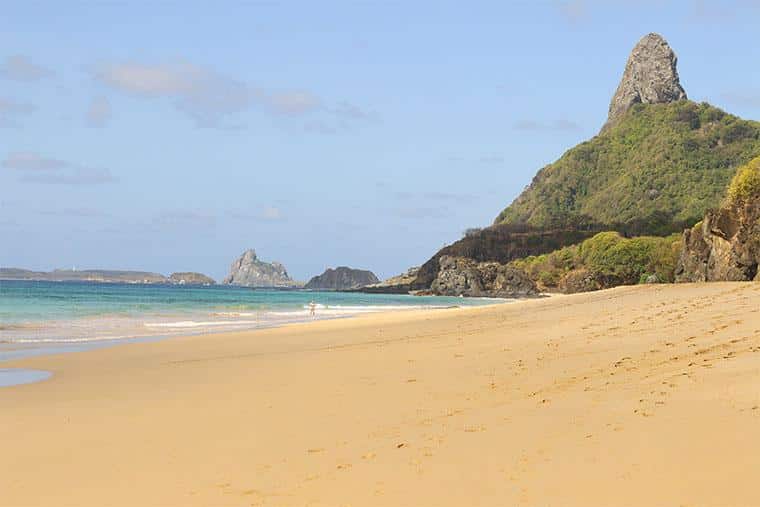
x=48 y=312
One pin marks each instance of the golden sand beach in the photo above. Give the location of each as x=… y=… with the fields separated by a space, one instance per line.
x=646 y=395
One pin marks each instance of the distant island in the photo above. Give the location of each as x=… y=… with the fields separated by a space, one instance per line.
x=250 y=271
x=105 y=276
x=342 y=278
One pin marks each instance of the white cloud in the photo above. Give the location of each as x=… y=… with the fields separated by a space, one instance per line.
x=271 y=213
x=574 y=11
x=212 y=99
x=184 y=218
x=74 y=176
x=206 y=96
x=347 y=110
x=28 y=161
x=99 y=112
x=154 y=80
x=11 y=111
x=35 y=168
x=20 y=68
x=292 y=102
x=74 y=212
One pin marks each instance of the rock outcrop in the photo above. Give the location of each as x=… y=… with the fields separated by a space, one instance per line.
x=399 y=284
x=249 y=271
x=460 y=276
x=501 y=244
x=580 y=280
x=650 y=77
x=342 y=278
x=190 y=278
x=726 y=244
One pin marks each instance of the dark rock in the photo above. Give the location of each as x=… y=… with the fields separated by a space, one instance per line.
x=580 y=280
x=650 y=77
x=460 y=276
x=342 y=278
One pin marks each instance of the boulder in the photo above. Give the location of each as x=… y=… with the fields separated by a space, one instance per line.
x=580 y=280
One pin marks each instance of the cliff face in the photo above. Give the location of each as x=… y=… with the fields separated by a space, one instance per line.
x=650 y=77
x=342 y=278
x=190 y=278
x=726 y=244
x=248 y=271
x=459 y=276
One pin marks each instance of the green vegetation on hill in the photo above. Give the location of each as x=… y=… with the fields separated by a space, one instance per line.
x=605 y=260
x=746 y=183
x=660 y=168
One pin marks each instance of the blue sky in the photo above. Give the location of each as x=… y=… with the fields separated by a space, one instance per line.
x=171 y=136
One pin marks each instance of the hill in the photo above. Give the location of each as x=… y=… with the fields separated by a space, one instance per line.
x=658 y=164
x=661 y=166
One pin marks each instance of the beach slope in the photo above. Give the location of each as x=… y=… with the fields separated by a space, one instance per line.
x=646 y=395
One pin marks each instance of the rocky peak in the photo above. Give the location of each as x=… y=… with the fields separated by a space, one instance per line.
x=249 y=271
x=650 y=77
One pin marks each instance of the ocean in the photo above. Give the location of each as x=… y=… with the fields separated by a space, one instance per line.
x=34 y=313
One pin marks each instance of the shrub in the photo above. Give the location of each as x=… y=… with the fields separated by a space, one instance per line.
x=746 y=183
x=607 y=258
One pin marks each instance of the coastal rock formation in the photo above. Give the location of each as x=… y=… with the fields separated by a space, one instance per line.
x=460 y=276
x=342 y=278
x=500 y=243
x=650 y=77
x=190 y=278
x=726 y=244
x=249 y=271
x=399 y=284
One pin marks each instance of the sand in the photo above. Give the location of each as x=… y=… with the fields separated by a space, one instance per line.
x=643 y=395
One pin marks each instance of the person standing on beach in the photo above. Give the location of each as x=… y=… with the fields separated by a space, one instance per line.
x=313 y=309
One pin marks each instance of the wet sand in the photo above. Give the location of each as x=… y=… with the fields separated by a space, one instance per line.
x=643 y=395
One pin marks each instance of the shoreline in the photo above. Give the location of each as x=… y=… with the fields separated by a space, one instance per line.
x=11 y=351
x=637 y=395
